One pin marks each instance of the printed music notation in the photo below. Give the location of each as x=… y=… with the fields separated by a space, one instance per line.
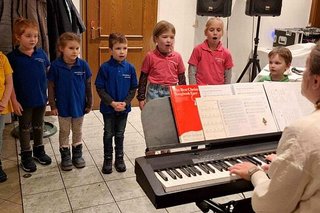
x=237 y=115
x=286 y=102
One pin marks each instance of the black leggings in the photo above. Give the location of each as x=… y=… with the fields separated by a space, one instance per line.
x=31 y=120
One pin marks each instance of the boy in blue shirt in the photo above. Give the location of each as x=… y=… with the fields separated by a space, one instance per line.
x=116 y=84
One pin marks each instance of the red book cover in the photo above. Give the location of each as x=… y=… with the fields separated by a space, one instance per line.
x=185 y=111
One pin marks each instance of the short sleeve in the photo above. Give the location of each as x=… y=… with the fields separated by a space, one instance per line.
x=145 y=67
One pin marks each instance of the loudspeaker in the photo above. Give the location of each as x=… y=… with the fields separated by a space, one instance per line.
x=220 y=8
x=263 y=7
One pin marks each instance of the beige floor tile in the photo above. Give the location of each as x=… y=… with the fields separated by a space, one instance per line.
x=187 y=208
x=12 y=185
x=79 y=177
x=135 y=151
x=41 y=182
x=106 y=208
x=133 y=138
x=89 y=195
x=16 y=198
x=9 y=207
x=94 y=143
x=125 y=189
x=54 y=201
x=138 y=205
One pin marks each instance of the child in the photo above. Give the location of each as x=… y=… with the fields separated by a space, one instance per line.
x=5 y=107
x=210 y=63
x=280 y=59
x=116 y=85
x=162 y=67
x=70 y=97
x=29 y=96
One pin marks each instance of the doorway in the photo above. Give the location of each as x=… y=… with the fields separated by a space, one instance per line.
x=134 y=18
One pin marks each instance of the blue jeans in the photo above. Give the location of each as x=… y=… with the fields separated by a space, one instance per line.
x=114 y=126
x=1 y=132
x=157 y=91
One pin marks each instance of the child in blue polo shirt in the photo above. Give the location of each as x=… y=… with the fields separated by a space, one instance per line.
x=116 y=84
x=70 y=97
x=29 y=97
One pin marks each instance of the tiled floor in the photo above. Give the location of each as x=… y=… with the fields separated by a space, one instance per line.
x=81 y=190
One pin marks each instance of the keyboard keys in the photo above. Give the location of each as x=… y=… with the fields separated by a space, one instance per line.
x=203 y=173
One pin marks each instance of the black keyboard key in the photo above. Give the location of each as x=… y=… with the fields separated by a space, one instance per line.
x=203 y=168
x=176 y=173
x=163 y=176
x=185 y=171
x=190 y=171
x=209 y=167
x=171 y=174
x=216 y=165
x=197 y=171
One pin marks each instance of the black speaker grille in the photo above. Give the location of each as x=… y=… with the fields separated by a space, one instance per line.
x=214 y=8
x=263 y=7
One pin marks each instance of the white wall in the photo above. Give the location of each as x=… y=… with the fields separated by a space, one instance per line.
x=241 y=29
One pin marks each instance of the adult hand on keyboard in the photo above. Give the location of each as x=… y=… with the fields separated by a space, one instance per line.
x=242 y=169
x=269 y=158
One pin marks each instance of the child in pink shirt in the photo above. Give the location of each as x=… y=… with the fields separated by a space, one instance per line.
x=162 y=67
x=211 y=63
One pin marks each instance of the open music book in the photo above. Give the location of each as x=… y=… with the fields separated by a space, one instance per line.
x=243 y=109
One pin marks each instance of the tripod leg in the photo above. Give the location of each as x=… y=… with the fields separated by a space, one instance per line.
x=244 y=70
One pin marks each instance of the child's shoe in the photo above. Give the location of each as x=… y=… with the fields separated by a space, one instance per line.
x=27 y=163
x=107 y=165
x=119 y=163
x=3 y=175
x=77 y=158
x=66 y=163
x=40 y=155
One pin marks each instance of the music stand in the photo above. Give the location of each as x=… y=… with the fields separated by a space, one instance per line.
x=254 y=60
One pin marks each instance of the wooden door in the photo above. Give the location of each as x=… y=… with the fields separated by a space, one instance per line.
x=134 y=18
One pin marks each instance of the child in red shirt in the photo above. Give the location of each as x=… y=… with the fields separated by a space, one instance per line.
x=210 y=63
x=162 y=67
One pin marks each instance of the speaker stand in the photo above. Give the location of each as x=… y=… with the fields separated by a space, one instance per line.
x=254 y=60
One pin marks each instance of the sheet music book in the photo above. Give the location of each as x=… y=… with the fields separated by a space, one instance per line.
x=185 y=111
x=237 y=115
x=231 y=110
x=286 y=102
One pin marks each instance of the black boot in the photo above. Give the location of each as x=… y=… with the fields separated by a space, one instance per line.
x=66 y=163
x=40 y=155
x=27 y=163
x=3 y=175
x=119 y=163
x=77 y=158
x=107 y=165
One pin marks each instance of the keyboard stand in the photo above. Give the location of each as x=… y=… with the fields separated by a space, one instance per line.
x=207 y=205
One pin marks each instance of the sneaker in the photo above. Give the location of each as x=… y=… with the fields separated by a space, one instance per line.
x=40 y=155
x=27 y=163
x=120 y=165
x=107 y=166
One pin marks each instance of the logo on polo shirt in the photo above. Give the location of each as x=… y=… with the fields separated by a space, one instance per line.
x=41 y=60
x=126 y=76
x=79 y=72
